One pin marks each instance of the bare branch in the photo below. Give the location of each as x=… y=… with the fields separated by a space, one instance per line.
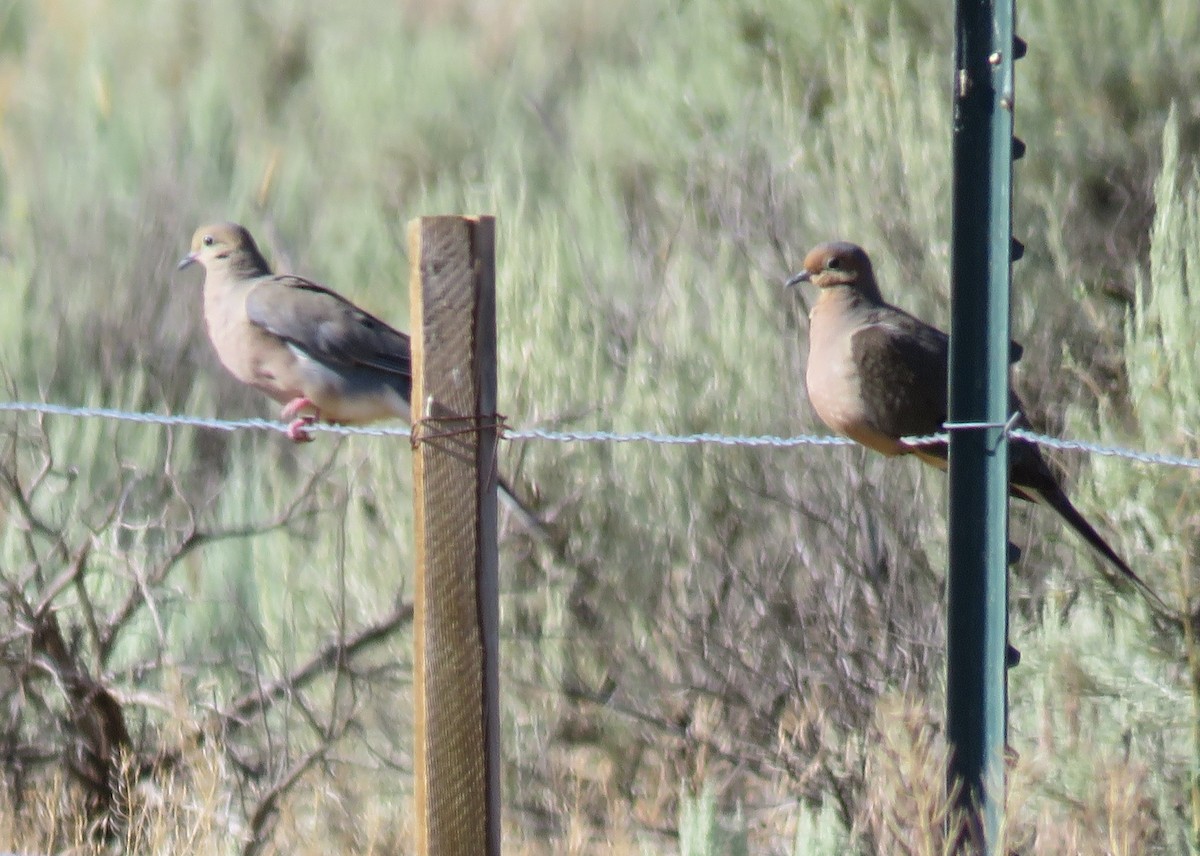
x=339 y=651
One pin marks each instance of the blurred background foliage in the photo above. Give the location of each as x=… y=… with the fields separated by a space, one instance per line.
x=731 y=648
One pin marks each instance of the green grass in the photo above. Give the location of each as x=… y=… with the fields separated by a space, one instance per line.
x=738 y=643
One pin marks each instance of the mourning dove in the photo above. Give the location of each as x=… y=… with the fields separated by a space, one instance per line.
x=301 y=343
x=877 y=374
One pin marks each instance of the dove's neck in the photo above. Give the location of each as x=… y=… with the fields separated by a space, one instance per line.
x=866 y=289
x=248 y=263
x=846 y=299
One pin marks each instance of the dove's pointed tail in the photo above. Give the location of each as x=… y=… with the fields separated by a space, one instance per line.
x=1046 y=491
x=529 y=520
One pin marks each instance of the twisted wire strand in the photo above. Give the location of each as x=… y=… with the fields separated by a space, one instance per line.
x=701 y=439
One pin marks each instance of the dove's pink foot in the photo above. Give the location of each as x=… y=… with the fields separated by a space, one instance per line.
x=297 y=431
x=295 y=406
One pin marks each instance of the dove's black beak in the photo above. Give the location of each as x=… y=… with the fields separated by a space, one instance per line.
x=803 y=276
x=189 y=259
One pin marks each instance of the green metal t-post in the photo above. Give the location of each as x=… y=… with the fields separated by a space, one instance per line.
x=981 y=250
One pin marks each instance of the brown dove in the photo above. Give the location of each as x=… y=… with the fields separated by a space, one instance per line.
x=301 y=343
x=877 y=374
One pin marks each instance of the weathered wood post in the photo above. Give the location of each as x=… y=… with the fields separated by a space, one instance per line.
x=454 y=492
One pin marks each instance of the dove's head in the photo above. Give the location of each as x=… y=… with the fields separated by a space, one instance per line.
x=226 y=248
x=837 y=263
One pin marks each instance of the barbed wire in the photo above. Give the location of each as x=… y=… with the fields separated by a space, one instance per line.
x=1107 y=451
x=193 y=421
x=700 y=439
x=675 y=439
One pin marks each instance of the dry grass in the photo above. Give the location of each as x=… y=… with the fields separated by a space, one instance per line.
x=744 y=642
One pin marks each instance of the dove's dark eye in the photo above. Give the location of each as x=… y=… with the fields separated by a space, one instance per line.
x=834 y=263
x=209 y=240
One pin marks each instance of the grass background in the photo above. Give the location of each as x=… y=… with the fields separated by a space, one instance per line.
x=656 y=171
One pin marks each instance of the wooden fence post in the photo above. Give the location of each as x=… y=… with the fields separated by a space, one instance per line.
x=454 y=492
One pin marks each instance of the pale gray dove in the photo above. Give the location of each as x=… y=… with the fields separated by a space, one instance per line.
x=301 y=343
